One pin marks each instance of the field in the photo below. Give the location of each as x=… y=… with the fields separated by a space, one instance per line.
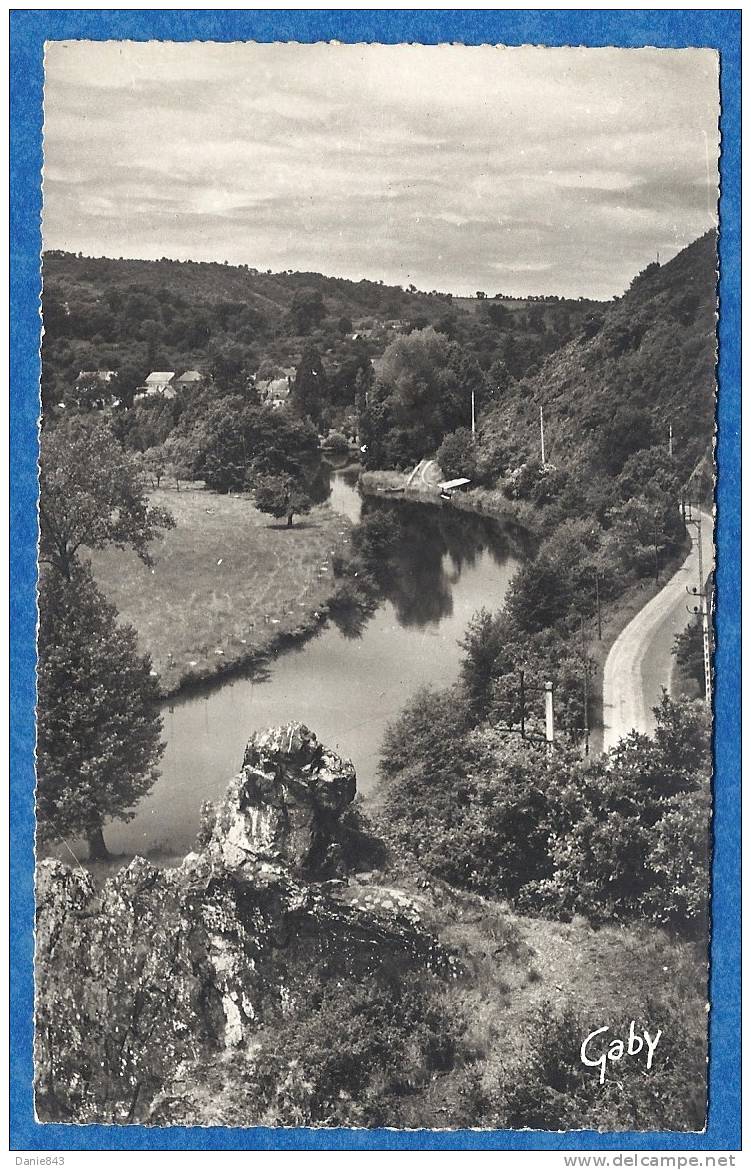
x=227 y=583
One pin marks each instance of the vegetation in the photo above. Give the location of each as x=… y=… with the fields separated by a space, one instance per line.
x=239 y=327
x=620 y=837
x=98 y=717
x=391 y=1037
x=472 y=811
x=227 y=584
x=90 y=496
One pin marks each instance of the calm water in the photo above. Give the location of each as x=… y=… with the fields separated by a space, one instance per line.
x=347 y=688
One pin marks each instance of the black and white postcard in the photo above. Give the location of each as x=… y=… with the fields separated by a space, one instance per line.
x=377 y=590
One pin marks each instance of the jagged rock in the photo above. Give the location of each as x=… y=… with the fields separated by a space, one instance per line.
x=165 y=969
x=283 y=807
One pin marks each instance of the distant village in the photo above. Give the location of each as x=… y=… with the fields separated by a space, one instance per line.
x=167 y=384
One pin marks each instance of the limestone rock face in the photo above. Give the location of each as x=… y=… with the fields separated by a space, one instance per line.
x=283 y=807
x=160 y=971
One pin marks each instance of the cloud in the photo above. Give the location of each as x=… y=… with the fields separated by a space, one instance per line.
x=548 y=170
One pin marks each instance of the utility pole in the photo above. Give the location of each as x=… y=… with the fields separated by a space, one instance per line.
x=702 y=610
x=654 y=533
x=597 y=600
x=586 y=689
x=542 y=438
x=473 y=415
x=549 y=721
x=670 y=440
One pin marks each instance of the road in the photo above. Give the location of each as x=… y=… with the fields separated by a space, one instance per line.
x=427 y=474
x=640 y=661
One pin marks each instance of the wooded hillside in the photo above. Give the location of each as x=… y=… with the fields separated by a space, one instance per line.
x=642 y=365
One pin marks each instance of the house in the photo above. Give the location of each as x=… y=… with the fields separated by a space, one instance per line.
x=102 y=376
x=274 y=392
x=189 y=379
x=160 y=382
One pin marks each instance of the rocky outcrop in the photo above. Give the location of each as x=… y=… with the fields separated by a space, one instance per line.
x=160 y=971
x=283 y=808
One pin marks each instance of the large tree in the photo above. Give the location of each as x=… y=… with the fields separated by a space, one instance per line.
x=282 y=495
x=90 y=495
x=285 y=473
x=309 y=390
x=98 y=717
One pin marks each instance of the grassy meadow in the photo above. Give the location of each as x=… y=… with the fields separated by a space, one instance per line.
x=225 y=585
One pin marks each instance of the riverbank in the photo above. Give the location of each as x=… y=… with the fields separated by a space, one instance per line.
x=228 y=586
x=616 y=614
x=481 y=501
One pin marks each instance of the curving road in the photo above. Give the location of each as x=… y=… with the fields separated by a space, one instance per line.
x=640 y=661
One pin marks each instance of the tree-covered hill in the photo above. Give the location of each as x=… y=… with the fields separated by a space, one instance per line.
x=134 y=316
x=641 y=366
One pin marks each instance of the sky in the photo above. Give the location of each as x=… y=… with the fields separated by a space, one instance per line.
x=518 y=170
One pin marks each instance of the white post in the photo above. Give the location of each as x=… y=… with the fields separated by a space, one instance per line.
x=542 y=438
x=704 y=616
x=549 y=724
x=707 y=663
x=473 y=414
x=670 y=441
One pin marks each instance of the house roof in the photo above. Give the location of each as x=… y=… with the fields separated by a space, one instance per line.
x=191 y=376
x=102 y=375
x=162 y=376
x=453 y=483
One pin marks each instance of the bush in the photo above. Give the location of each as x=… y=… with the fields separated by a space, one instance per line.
x=554 y=1090
x=621 y=838
x=354 y=1054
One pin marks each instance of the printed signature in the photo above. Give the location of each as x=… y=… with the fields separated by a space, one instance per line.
x=616 y=1049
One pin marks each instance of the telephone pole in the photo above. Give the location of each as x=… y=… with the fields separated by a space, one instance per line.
x=473 y=415
x=549 y=719
x=701 y=610
x=542 y=438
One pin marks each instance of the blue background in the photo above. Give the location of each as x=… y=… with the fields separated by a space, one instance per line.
x=674 y=28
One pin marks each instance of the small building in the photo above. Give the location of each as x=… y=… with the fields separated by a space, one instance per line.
x=449 y=486
x=189 y=379
x=103 y=376
x=274 y=392
x=160 y=382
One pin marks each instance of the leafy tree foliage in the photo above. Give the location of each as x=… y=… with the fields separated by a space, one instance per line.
x=457 y=455
x=309 y=389
x=281 y=495
x=98 y=716
x=306 y=310
x=90 y=495
x=423 y=389
x=688 y=648
x=618 y=838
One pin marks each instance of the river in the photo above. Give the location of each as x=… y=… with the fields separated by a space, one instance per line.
x=346 y=685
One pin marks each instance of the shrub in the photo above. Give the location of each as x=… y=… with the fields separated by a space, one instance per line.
x=553 y=1090
x=354 y=1054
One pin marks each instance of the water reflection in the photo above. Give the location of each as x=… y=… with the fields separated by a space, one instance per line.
x=413 y=556
x=429 y=570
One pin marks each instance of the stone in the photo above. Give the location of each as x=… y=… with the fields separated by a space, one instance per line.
x=285 y=804
x=161 y=973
